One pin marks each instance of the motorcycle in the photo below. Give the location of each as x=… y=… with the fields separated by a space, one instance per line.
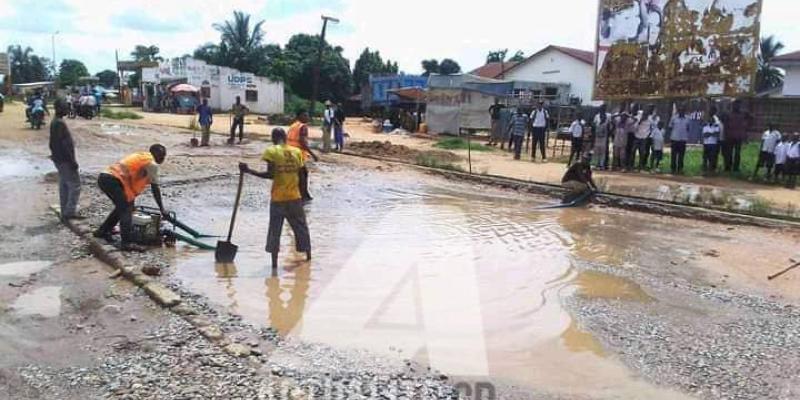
x=86 y=111
x=37 y=118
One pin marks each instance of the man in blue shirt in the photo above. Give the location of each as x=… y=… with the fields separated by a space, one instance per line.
x=205 y=118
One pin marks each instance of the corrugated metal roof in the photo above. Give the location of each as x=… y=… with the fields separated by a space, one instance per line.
x=494 y=69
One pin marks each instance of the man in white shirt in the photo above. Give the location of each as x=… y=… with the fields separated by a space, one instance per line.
x=793 y=161
x=643 y=135
x=576 y=130
x=781 y=151
x=679 y=136
x=539 y=121
x=766 y=158
x=601 y=128
x=711 y=134
x=327 y=124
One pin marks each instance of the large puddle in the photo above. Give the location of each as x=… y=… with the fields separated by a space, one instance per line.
x=469 y=283
x=16 y=164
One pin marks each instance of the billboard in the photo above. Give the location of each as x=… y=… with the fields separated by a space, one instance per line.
x=676 y=48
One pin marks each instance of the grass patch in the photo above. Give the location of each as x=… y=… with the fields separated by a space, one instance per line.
x=693 y=163
x=118 y=115
x=460 y=144
x=427 y=160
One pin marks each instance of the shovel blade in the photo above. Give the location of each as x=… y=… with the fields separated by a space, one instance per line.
x=226 y=252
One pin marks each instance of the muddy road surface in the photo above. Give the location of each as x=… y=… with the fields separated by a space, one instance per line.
x=416 y=283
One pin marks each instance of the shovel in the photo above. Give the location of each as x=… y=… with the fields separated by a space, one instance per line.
x=226 y=251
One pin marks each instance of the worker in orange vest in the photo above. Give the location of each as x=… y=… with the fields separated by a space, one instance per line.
x=298 y=137
x=122 y=182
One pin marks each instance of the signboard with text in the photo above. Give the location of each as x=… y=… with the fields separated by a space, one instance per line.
x=5 y=65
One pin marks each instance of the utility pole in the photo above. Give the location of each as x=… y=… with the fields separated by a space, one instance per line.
x=318 y=65
x=55 y=68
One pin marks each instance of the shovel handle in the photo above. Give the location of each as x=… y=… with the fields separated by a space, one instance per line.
x=236 y=205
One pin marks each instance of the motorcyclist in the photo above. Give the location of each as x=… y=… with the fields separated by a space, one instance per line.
x=36 y=103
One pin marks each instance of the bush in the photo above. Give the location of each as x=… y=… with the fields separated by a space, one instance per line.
x=292 y=103
x=431 y=161
x=460 y=144
x=111 y=114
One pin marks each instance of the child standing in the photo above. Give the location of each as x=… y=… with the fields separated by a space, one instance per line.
x=781 y=151
x=793 y=161
x=711 y=133
x=576 y=129
x=658 y=147
x=769 y=141
x=623 y=124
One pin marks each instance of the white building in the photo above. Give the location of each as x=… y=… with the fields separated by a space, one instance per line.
x=558 y=65
x=791 y=82
x=220 y=85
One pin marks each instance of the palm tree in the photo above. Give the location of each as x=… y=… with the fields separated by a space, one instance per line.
x=241 y=44
x=768 y=77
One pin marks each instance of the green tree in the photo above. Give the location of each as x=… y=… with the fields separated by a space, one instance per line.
x=370 y=62
x=241 y=45
x=108 y=78
x=430 y=67
x=70 y=71
x=768 y=77
x=26 y=66
x=146 y=53
x=519 y=56
x=299 y=57
x=449 y=67
x=496 y=56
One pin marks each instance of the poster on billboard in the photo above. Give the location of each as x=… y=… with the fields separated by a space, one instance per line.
x=676 y=48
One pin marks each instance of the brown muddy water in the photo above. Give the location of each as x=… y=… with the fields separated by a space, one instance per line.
x=467 y=280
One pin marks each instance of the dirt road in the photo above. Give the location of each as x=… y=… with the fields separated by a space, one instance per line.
x=411 y=272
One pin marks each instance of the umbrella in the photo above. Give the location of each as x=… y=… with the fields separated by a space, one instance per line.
x=183 y=87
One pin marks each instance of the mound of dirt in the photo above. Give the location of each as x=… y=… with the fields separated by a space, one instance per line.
x=400 y=152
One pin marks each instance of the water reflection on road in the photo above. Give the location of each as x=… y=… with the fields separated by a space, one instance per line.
x=467 y=282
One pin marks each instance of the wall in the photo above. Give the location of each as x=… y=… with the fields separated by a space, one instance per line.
x=791 y=83
x=576 y=73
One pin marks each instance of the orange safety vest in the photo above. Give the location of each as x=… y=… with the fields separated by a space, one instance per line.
x=132 y=173
x=293 y=137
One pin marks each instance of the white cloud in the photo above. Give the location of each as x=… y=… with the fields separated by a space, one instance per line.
x=406 y=31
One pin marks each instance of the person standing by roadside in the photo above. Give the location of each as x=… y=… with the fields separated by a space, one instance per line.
x=284 y=163
x=205 y=117
x=630 y=145
x=239 y=111
x=793 y=161
x=623 y=126
x=62 y=152
x=494 y=113
x=711 y=134
x=658 y=147
x=338 y=127
x=602 y=130
x=518 y=128
x=781 y=151
x=540 y=118
x=766 y=158
x=652 y=115
x=327 y=125
x=298 y=138
x=642 y=137
x=679 y=136
x=735 y=135
x=595 y=122
x=576 y=147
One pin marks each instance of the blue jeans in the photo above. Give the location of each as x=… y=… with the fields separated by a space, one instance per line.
x=518 y=139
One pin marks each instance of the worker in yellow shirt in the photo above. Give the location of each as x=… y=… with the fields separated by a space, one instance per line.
x=298 y=138
x=125 y=180
x=284 y=163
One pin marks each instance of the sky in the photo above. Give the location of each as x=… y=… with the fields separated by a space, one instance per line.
x=406 y=31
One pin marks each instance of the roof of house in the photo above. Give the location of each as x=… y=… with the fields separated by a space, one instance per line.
x=788 y=58
x=494 y=69
x=578 y=54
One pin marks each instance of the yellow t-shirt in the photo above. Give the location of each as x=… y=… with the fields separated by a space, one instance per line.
x=286 y=161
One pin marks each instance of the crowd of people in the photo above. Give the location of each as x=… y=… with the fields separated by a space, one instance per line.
x=634 y=139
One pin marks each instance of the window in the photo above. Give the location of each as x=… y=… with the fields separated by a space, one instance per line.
x=550 y=92
x=251 y=95
x=205 y=92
